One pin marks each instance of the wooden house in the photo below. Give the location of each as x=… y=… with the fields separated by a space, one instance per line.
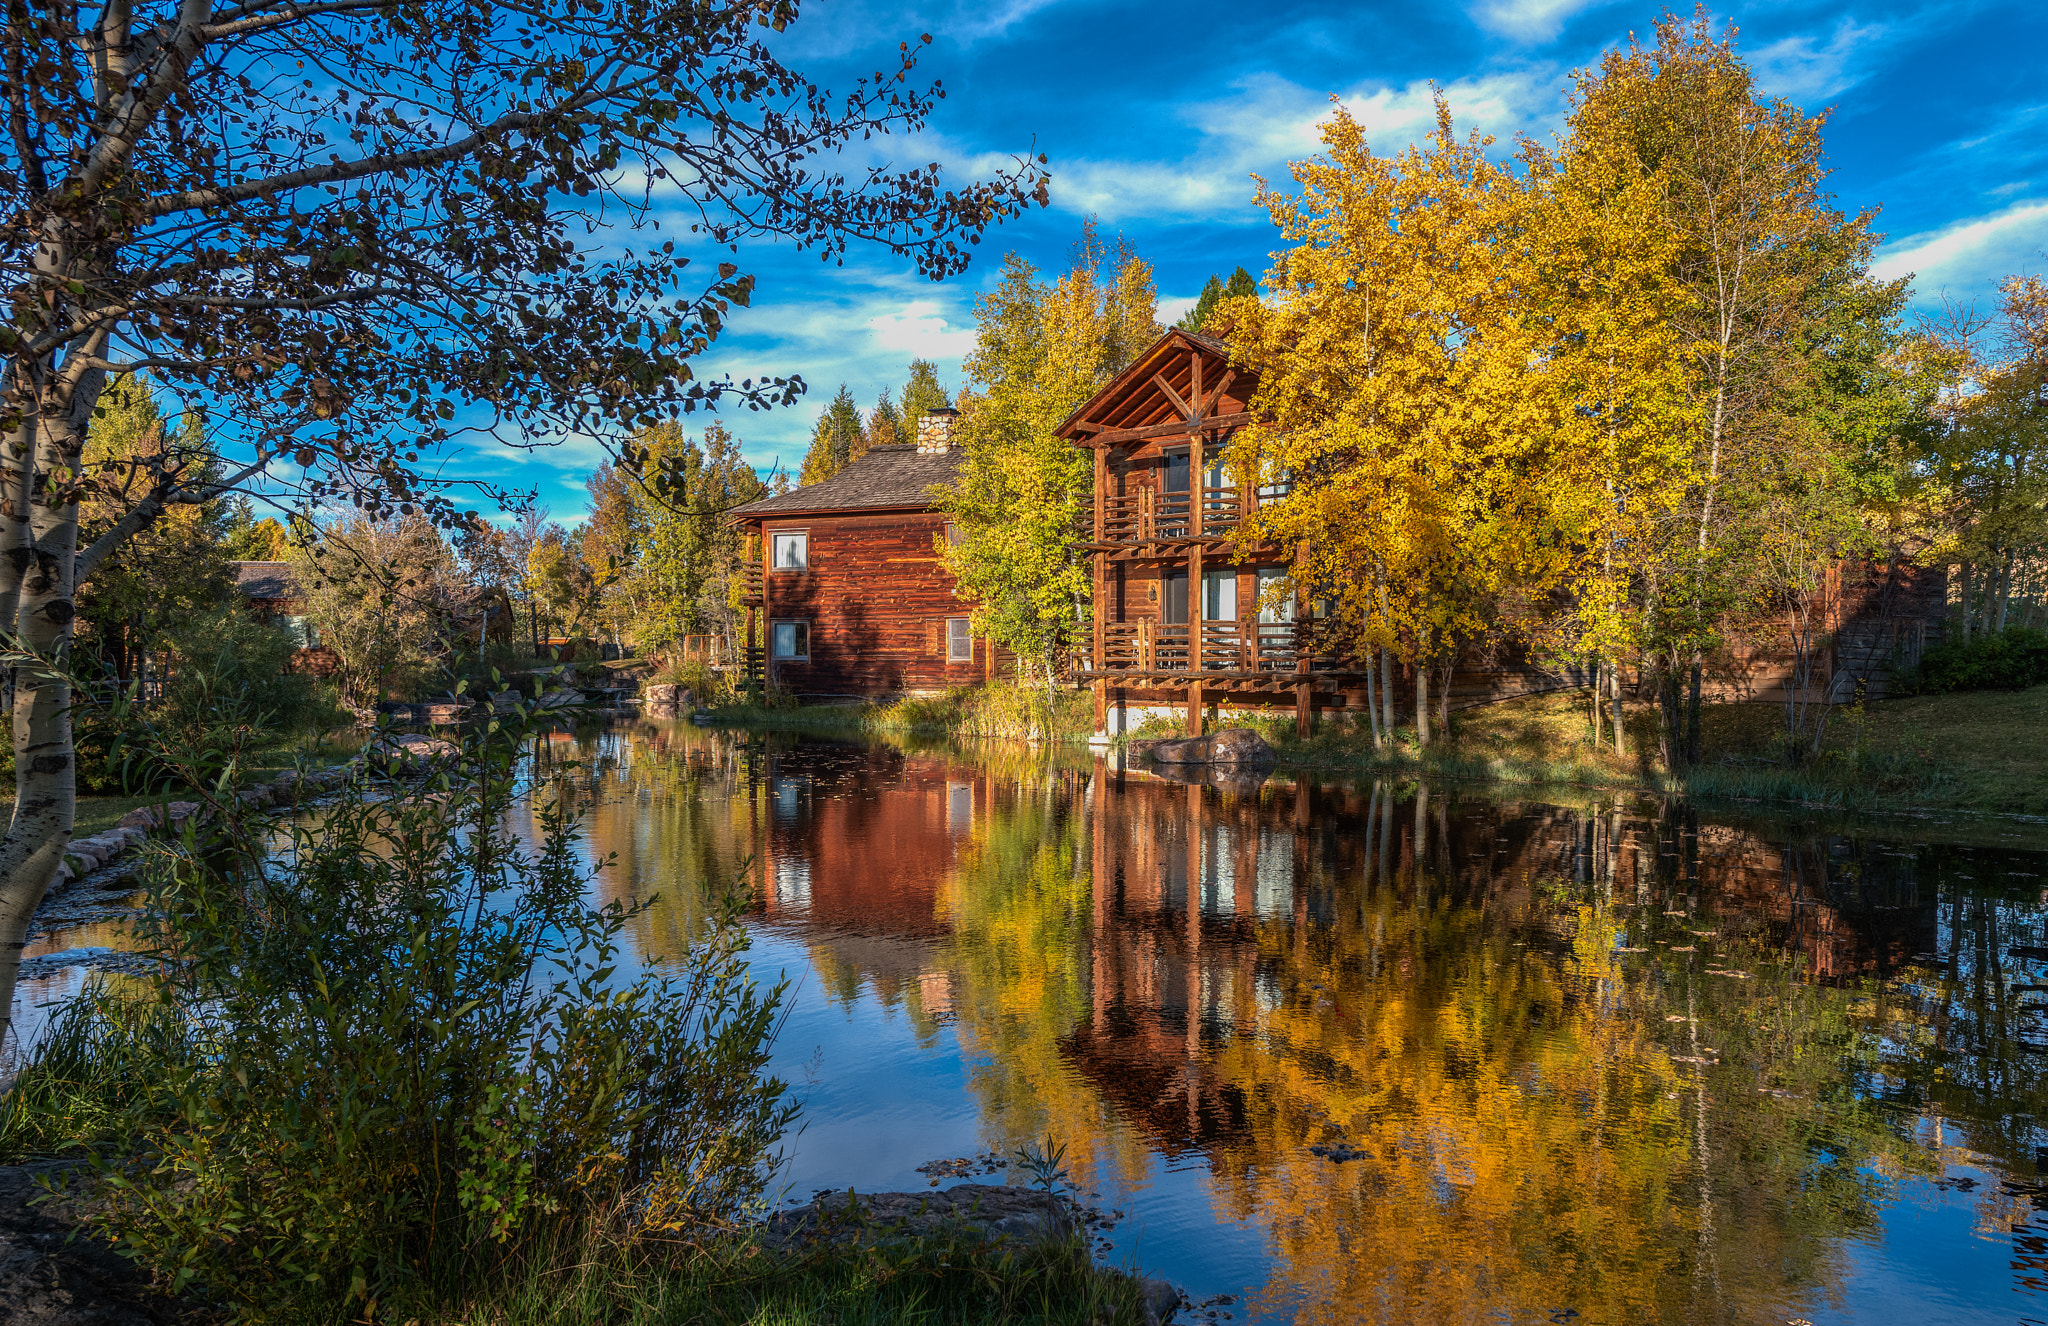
x=846 y=595
x=272 y=595
x=1178 y=615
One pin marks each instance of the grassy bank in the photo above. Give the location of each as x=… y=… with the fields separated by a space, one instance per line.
x=968 y=711
x=1978 y=752
x=907 y=1283
x=104 y=812
x=1974 y=751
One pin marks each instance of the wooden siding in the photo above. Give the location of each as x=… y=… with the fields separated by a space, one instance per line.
x=876 y=598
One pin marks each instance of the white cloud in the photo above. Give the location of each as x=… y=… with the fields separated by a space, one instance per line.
x=919 y=330
x=1969 y=256
x=1796 y=69
x=1269 y=121
x=1527 y=20
x=1173 y=310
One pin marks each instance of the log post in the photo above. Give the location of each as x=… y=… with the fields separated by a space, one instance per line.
x=1302 y=705
x=1195 y=708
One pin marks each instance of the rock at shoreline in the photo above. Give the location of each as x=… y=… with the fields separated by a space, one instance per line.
x=1237 y=747
x=667 y=701
x=977 y=1210
x=147 y=817
x=413 y=746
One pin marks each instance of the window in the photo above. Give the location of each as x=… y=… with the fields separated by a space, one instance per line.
x=792 y=551
x=1173 y=598
x=1219 y=596
x=1282 y=611
x=1176 y=471
x=959 y=640
x=953 y=535
x=792 y=639
x=304 y=634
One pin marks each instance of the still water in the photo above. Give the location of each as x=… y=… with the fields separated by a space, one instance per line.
x=1380 y=1052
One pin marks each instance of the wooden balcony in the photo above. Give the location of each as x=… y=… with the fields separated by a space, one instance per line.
x=1239 y=649
x=1149 y=516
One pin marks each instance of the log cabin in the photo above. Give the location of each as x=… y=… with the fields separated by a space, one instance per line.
x=846 y=594
x=1182 y=620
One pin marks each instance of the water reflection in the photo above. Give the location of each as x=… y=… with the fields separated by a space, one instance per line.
x=1432 y=1056
x=1377 y=1052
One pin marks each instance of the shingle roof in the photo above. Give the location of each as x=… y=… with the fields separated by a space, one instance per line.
x=886 y=477
x=265 y=580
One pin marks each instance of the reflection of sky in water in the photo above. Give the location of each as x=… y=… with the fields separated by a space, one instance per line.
x=1805 y=1097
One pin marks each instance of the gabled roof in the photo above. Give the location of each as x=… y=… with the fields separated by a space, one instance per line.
x=892 y=478
x=265 y=580
x=1134 y=399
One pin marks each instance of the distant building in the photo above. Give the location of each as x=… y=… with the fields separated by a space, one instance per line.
x=846 y=594
x=475 y=616
x=272 y=595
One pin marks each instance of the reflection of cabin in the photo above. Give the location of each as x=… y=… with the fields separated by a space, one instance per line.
x=1181 y=614
x=848 y=582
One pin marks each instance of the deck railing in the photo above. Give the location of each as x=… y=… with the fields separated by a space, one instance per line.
x=1146 y=514
x=1239 y=646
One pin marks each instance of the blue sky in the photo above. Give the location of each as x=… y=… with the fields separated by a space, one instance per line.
x=1155 y=117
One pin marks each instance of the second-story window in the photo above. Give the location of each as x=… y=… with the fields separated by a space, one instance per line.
x=792 y=551
x=953 y=535
x=959 y=640
x=1175 y=479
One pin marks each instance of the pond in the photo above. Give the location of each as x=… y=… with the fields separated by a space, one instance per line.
x=1356 y=1051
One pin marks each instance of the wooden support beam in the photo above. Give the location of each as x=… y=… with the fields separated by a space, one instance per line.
x=1178 y=428
x=1166 y=388
x=1195 y=709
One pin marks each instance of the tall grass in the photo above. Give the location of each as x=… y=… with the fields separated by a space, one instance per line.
x=93 y=1071
x=959 y=1281
x=998 y=711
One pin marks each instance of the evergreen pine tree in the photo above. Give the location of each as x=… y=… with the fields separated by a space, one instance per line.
x=838 y=439
x=921 y=395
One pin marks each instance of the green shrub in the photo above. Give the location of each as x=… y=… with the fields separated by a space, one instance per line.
x=2011 y=660
x=412 y=1056
x=709 y=686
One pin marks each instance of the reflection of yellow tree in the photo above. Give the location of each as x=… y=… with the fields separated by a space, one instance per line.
x=1531 y=1135
x=1019 y=910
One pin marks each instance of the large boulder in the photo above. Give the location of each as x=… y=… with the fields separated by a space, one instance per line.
x=666 y=701
x=1237 y=747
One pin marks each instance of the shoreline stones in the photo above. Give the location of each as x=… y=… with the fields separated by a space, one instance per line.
x=666 y=701
x=1236 y=747
x=96 y=852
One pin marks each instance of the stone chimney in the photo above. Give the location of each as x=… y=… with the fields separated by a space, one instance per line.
x=935 y=431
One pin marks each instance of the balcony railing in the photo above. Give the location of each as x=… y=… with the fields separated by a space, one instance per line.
x=1246 y=646
x=1147 y=514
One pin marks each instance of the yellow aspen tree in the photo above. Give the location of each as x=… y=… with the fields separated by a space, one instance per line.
x=1446 y=405
x=1740 y=181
